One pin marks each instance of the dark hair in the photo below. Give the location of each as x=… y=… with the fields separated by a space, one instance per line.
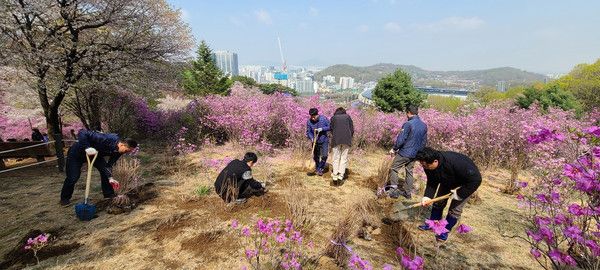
x=428 y=154
x=313 y=111
x=414 y=109
x=130 y=142
x=36 y=130
x=250 y=156
x=340 y=110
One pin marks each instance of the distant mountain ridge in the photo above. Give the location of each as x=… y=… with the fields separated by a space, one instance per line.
x=487 y=77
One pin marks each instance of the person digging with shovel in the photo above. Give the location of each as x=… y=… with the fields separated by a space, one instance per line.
x=447 y=173
x=235 y=182
x=94 y=143
x=316 y=131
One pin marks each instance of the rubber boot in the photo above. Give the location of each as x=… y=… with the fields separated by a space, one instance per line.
x=436 y=214
x=451 y=222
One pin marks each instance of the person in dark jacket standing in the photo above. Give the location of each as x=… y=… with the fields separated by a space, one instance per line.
x=411 y=139
x=454 y=173
x=342 y=130
x=236 y=183
x=320 y=125
x=94 y=143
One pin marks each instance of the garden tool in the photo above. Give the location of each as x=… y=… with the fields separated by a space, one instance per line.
x=311 y=163
x=402 y=213
x=86 y=211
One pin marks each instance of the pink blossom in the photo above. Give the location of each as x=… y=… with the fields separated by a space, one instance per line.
x=251 y=253
x=574 y=233
x=415 y=264
x=387 y=267
x=535 y=252
x=438 y=226
x=463 y=229
x=246 y=231
x=281 y=238
x=234 y=224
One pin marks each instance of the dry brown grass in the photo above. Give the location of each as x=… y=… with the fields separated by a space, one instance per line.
x=299 y=208
x=341 y=236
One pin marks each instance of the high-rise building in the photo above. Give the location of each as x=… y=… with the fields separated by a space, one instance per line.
x=501 y=86
x=329 y=78
x=305 y=86
x=346 y=83
x=227 y=62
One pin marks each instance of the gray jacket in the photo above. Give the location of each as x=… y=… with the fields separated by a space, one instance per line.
x=342 y=129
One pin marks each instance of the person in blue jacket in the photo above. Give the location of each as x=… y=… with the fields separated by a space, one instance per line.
x=411 y=139
x=102 y=144
x=319 y=124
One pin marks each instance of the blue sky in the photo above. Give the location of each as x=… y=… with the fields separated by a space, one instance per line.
x=541 y=36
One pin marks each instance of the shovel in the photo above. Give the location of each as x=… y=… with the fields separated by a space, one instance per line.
x=311 y=163
x=85 y=211
x=404 y=214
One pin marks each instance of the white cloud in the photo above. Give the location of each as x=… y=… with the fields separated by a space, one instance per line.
x=392 y=27
x=363 y=28
x=313 y=11
x=263 y=16
x=453 y=23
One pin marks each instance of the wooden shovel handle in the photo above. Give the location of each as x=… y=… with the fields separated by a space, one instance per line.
x=430 y=201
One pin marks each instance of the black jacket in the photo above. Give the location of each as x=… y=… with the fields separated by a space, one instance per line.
x=342 y=129
x=104 y=143
x=238 y=173
x=454 y=170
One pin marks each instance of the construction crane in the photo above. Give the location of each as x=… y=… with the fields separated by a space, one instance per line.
x=281 y=76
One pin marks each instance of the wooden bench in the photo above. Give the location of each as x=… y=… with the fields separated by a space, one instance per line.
x=38 y=152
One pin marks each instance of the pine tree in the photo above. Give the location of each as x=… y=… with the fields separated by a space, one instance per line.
x=395 y=91
x=204 y=77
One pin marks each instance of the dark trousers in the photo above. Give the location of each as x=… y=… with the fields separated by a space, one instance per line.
x=320 y=155
x=75 y=160
x=398 y=163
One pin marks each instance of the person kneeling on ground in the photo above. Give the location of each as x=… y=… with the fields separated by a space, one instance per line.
x=235 y=182
x=319 y=125
x=94 y=143
x=454 y=173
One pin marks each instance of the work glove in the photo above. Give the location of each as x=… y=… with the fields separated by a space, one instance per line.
x=392 y=152
x=319 y=129
x=114 y=183
x=91 y=151
x=424 y=201
x=454 y=195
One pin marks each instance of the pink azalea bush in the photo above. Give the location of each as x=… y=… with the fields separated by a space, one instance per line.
x=36 y=244
x=273 y=244
x=564 y=204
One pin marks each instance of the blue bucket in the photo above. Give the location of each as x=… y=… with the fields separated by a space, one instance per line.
x=85 y=212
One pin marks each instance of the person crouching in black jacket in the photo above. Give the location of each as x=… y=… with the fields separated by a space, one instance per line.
x=452 y=172
x=236 y=183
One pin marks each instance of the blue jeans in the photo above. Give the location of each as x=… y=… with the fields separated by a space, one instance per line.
x=320 y=155
x=75 y=160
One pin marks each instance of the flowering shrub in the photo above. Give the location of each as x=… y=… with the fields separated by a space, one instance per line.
x=181 y=146
x=36 y=244
x=273 y=243
x=463 y=229
x=564 y=206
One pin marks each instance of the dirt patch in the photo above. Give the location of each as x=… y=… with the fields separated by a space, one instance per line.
x=171 y=227
x=136 y=197
x=269 y=205
x=208 y=243
x=19 y=256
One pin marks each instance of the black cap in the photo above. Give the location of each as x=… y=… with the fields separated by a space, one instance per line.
x=313 y=111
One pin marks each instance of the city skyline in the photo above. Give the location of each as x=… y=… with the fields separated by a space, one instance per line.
x=539 y=36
